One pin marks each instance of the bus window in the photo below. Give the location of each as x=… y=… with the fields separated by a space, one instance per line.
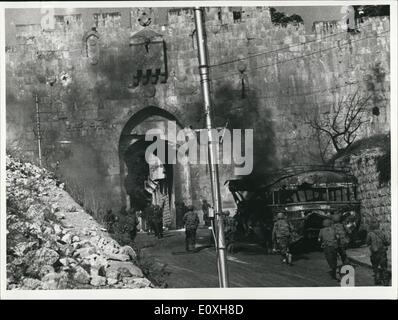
x=302 y=196
x=344 y=194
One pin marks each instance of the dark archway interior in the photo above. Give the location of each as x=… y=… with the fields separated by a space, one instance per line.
x=138 y=172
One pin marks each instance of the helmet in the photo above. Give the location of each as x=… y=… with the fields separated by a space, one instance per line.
x=336 y=217
x=327 y=222
x=280 y=215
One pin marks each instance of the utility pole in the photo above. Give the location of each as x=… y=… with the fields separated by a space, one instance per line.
x=38 y=127
x=212 y=147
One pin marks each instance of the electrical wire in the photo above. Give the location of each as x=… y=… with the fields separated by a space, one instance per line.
x=311 y=92
x=303 y=56
x=281 y=49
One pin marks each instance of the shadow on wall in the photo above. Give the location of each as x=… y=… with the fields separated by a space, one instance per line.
x=18 y=114
x=84 y=175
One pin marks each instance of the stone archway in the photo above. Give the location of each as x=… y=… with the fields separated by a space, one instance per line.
x=139 y=187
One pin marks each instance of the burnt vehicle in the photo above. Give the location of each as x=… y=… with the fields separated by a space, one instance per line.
x=306 y=194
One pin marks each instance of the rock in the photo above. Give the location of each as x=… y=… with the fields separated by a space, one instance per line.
x=68 y=261
x=134 y=283
x=85 y=252
x=53 y=281
x=81 y=275
x=75 y=239
x=126 y=269
x=31 y=284
x=97 y=263
x=45 y=270
x=40 y=258
x=72 y=208
x=68 y=250
x=60 y=215
x=48 y=230
x=57 y=229
x=54 y=208
x=112 y=274
x=67 y=238
x=117 y=256
x=111 y=281
x=76 y=245
x=98 y=281
x=38 y=212
x=129 y=251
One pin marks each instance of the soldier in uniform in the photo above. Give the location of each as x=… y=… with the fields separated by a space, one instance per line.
x=229 y=231
x=281 y=236
x=158 y=221
x=150 y=216
x=327 y=237
x=131 y=224
x=378 y=243
x=342 y=237
x=191 y=221
x=205 y=209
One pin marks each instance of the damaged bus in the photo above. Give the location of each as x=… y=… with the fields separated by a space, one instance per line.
x=306 y=194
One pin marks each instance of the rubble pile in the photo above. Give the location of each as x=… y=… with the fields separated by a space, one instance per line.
x=52 y=243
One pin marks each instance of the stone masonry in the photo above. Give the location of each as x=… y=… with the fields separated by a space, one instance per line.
x=88 y=90
x=375 y=197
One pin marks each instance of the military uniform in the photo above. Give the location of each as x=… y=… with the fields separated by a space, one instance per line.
x=281 y=235
x=205 y=209
x=150 y=215
x=328 y=239
x=342 y=241
x=229 y=231
x=191 y=221
x=158 y=222
x=378 y=244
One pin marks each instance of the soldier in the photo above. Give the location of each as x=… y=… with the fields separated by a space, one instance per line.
x=158 y=221
x=132 y=222
x=328 y=239
x=378 y=243
x=281 y=236
x=229 y=231
x=342 y=238
x=191 y=221
x=205 y=209
x=150 y=215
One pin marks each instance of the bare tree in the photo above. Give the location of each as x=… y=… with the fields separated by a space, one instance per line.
x=340 y=127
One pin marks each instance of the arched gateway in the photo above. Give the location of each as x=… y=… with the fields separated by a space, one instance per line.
x=157 y=183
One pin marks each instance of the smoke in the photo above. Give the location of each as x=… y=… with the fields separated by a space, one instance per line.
x=246 y=112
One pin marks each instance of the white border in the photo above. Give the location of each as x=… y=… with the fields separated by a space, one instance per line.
x=216 y=293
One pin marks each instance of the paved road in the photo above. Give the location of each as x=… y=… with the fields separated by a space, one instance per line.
x=249 y=266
